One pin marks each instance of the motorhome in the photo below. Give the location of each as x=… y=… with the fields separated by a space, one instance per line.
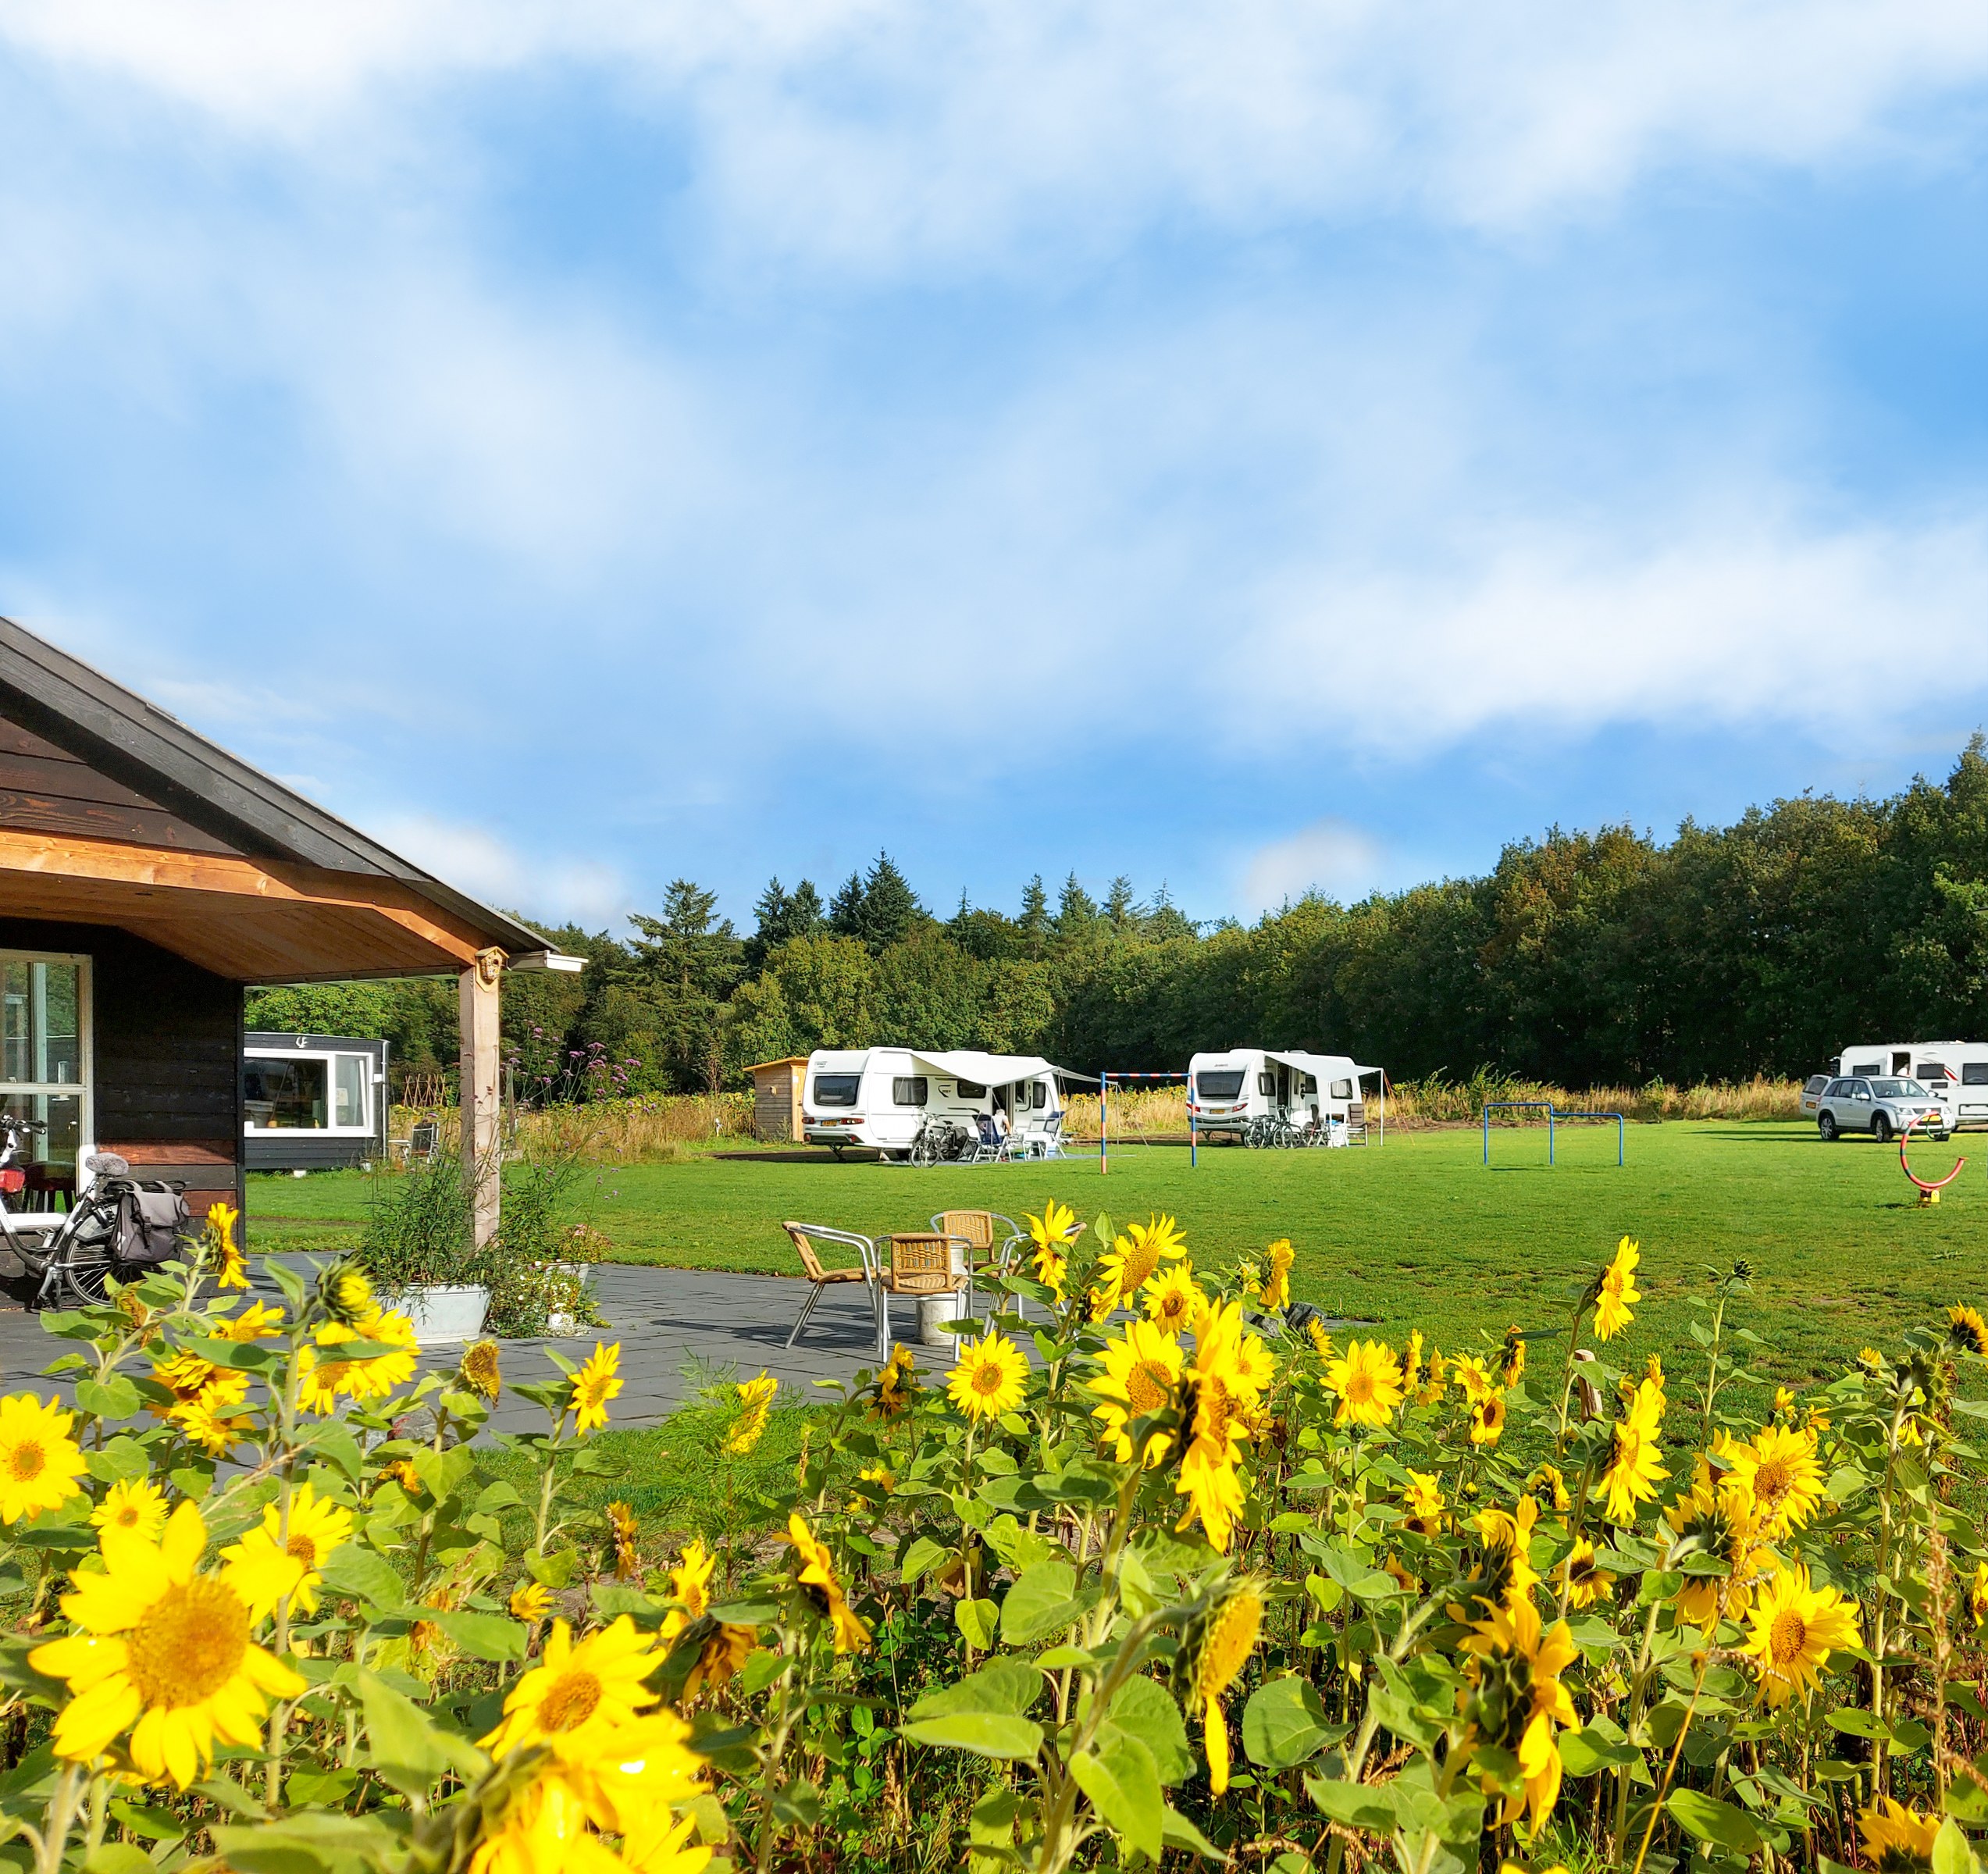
x=1228 y=1090
x=1955 y=1073
x=879 y=1097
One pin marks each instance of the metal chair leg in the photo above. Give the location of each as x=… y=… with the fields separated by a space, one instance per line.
x=807 y=1307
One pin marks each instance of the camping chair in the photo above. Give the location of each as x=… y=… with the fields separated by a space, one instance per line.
x=1356 y=1121
x=989 y=1148
x=421 y=1142
x=921 y=1264
x=805 y=1236
x=1048 y=1142
x=976 y=1230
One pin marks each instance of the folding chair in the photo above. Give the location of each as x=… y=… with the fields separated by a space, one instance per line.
x=805 y=1236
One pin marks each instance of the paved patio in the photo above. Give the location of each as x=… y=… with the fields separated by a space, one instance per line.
x=675 y=1325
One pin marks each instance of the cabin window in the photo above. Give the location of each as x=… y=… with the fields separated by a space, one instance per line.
x=909 y=1090
x=44 y=1073
x=1342 y=1089
x=1869 y=1066
x=1038 y=1095
x=1308 y=1085
x=969 y=1089
x=1974 y=1073
x=1223 y=1085
x=306 y=1092
x=837 y=1089
x=1931 y=1070
x=1266 y=1083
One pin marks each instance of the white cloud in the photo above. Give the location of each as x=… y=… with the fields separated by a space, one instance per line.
x=476 y=861
x=1331 y=856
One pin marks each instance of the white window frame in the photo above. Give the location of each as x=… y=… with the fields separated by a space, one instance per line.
x=86 y=1022
x=263 y=1051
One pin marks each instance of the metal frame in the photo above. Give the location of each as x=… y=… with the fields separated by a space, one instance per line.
x=1104 y=1117
x=1552 y=1115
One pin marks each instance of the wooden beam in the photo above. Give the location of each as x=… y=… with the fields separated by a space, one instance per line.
x=478 y=1089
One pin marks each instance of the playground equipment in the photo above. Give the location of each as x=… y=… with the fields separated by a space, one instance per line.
x=1553 y=1115
x=1929 y=1193
x=1104 y=1115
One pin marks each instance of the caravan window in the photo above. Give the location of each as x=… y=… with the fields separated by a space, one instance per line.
x=1308 y=1085
x=1868 y=1067
x=837 y=1089
x=1038 y=1095
x=1342 y=1089
x=1930 y=1070
x=908 y=1090
x=1974 y=1073
x=969 y=1089
x=1224 y=1085
x=1265 y=1084
x=285 y=1093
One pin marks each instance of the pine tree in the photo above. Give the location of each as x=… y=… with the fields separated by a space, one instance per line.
x=781 y=916
x=890 y=908
x=845 y=908
x=1120 y=906
x=804 y=914
x=1074 y=910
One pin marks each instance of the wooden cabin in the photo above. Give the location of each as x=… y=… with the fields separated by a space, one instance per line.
x=147 y=876
x=777 y=1088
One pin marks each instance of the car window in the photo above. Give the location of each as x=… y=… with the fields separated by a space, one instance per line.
x=1816 y=1083
x=1860 y=1089
x=1898 y=1089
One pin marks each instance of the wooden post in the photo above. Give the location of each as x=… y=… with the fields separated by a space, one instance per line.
x=478 y=1086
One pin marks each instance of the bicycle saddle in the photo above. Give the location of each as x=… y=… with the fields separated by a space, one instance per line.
x=105 y=1164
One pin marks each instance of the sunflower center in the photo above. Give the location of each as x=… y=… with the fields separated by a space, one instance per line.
x=29 y=1460
x=1140 y=1263
x=304 y=1549
x=125 y=1517
x=190 y=1644
x=1773 y=1481
x=988 y=1379
x=570 y=1702
x=1787 y=1636
x=1229 y=1644
x=1147 y=1387
x=1360 y=1389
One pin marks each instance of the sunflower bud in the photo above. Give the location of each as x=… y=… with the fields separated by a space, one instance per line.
x=479 y=1370
x=1216 y=1644
x=346 y=1292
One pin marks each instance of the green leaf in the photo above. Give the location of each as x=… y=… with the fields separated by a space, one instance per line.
x=1950 y=1852
x=923 y=1556
x=119 y=1857
x=985 y=1733
x=142 y=1819
x=492 y=1637
x=1284 y=1724
x=115 y=1397
x=357 y=1571
x=1146 y=1710
x=976 y=1621
x=410 y=1750
x=122 y=1458
x=1044 y=1600
x=1007 y=1687
x=1858 y=1723
x=1123 y=1782
x=554 y=1571
x=1711 y=1820
x=1359 y=1805
x=1177 y=1832
x=1582 y=1753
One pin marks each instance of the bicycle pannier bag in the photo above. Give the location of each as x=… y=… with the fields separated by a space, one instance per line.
x=151 y=1220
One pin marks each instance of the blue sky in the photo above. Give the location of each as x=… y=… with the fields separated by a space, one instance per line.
x=1241 y=446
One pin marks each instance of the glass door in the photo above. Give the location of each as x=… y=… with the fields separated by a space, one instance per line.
x=44 y=1056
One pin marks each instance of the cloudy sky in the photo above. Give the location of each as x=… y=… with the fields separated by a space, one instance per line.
x=1247 y=446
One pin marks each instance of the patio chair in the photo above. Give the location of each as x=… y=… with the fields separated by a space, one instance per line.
x=988 y=1250
x=1356 y=1121
x=921 y=1264
x=1048 y=1141
x=423 y=1137
x=989 y=1148
x=804 y=1237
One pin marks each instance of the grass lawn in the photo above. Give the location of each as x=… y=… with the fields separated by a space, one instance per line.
x=1416 y=1233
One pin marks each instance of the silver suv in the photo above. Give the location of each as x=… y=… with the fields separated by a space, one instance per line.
x=1882 y=1108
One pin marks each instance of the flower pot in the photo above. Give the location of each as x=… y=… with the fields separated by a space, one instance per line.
x=557 y=1322
x=444 y=1315
x=933 y=1311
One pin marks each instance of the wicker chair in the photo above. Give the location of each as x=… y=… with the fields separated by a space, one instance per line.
x=988 y=1249
x=805 y=1236
x=921 y=1264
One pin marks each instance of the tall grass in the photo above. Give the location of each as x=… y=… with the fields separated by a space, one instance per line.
x=648 y=1129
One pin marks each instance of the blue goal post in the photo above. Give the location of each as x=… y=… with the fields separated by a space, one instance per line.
x=1553 y=1115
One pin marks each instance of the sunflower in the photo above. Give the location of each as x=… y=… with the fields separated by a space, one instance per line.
x=165 y=1652
x=1215 y=1648
x=1217 y=1396
x=1368 y=1381
x=1716 y=1517
x=222 y=1254
x=480 y=1371
x=895 y=1384
x=1585 y=1580
x=1422 y=1503
x=323 y=1380
x=724 y=1650
x=690 y=1588
x=375 y=1378
x=1516 y=1699
x=621 y=1527
x=881 y=1481
x=211 y=1425
x=1512 y=1358
x=1977 y=1594
x=1277 y=1280
x=1173 y=1298
x=1258 y=1364
x=1633 y=1471
x=346 y=1293
x=1653 y=1371
x=528 y=1602
x=1548 y=1477
x=596 y=1383
x=1127 y=1266
x=1321 y=1341
x=258 y=1321
x=1794 y=1629
x=577 y=1697
x=1488 y=1417
x=1966 y=1333
x=39 y=1461
x=987 y=1379
x=818 y=1581
x=1474 y=1376
x=1896 y=1840
x=755 y=1408
x=1411 y=1362
x=317 y=1526
x=1505 y=1538
x=1050 y=1233
x=1779 y=1470
x=1141 y=1376
x=135 y=1506
x=1617 y=1294
x=1437 y=1382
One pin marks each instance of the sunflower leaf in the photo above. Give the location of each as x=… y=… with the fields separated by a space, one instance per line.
x=1709 y=1819
x=1284 y=1724
x=1122 y=1781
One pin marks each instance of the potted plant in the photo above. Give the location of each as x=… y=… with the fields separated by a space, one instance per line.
x=420 y=1248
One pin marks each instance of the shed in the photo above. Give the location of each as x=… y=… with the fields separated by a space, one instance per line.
x=146 y=877
x=313 y=1102
x=777 y=1088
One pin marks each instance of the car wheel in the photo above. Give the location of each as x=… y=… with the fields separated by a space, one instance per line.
x=1881 y=1127
x=1826 y=1123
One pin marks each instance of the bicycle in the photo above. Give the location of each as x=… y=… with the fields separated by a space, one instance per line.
x=940 y=1141
x=73 y=1253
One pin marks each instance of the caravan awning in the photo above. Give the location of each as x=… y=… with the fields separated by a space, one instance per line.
x=1317 y=1065
x=992 y=1069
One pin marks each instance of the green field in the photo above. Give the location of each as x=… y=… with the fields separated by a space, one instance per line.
x=1416 y=1233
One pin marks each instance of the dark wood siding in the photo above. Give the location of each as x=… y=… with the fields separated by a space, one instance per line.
x=46 y=790
x=167 y=1056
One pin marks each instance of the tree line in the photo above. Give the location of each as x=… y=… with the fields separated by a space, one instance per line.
x=1580 y=958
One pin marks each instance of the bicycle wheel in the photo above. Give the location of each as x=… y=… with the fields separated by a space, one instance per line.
x=86 y=1269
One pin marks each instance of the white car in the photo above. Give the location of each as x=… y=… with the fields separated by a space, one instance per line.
x=1882 y=1107
x=1811 y=1093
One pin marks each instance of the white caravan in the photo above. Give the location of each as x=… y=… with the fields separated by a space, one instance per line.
x=1228 y=1089
x=1955 y=1073
x=879 y=1097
